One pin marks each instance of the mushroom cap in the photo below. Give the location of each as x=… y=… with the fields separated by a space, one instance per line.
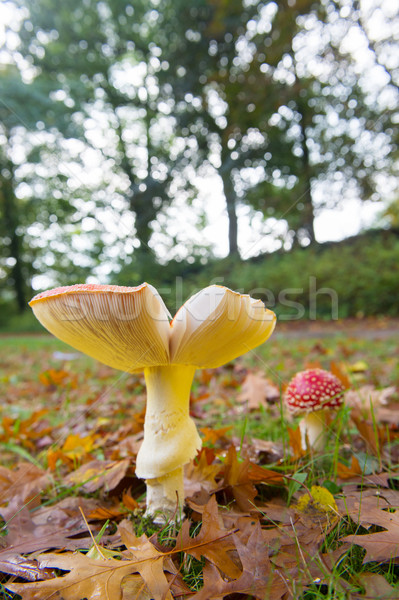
x=312 y=390
x=111 y=323
x=216 y=325
x=128 y=327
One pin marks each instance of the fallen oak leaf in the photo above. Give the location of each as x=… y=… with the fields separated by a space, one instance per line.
x=257 y=390
x=103 y=513
x=97 y=579
x=240 y=477
x=295 y=438
x=214 y=435
x=134 y=588
x=213 y=541
x=372 y=481
x=374 y=436
x=77 y=446
x=367 y=395
x=19 y=566
x=256 y=579
x=128 y=500
x=345 y=472
x=339 y=371
x=376 y=586
x=26 y=432
x=200 y=474
x=98 y=474
x=263 y=451
x=50 y=527
x=149 y=561
x=22 y=483
x=382 y=546
x=58 y=377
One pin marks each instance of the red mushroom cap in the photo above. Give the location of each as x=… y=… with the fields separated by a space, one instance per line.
x=85 y=287
x=313 y=389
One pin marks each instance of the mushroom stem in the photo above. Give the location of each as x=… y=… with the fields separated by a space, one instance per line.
x=314 y=430
x=165 y=496
x=170 y=437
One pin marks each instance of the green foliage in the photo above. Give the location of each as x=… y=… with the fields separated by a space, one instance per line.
x=356 y=277
x=38 y=210
x=360 y=272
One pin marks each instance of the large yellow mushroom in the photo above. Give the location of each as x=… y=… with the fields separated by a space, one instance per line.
x=128 y=328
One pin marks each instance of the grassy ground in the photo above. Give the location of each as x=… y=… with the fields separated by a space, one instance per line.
x=51 y=393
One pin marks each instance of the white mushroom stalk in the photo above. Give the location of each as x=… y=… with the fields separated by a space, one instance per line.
x=128 y=328
x=313 y=428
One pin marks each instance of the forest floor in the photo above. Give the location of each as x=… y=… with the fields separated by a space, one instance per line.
x=265 y=518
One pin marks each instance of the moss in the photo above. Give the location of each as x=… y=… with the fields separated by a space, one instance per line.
x=321 y=499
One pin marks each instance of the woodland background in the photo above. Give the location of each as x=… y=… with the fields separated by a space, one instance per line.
x=118 y=119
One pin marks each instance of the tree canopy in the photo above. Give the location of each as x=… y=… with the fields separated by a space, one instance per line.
x=131 y=104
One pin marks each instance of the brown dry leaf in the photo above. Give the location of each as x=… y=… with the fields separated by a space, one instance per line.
x=339 y=370
x=22 y=483
x=373 y=480
x=58 y=377
x=129 y=501
x=102 y=513
x=365 y=395
x=265 y=451
x=345 y=472
x=301 y=537
x=257 y=390
x=28 y=432
x=277 y=511
x=376 y=586
x=134 y=588
x=97 y=579
x=374 y=437
x=240 y=477
x=296 y=442
x=214 y=435
x=383 y=545
x=256 y=579
x=23 y=567
x=213 y=541
x=46 y=528
x=390 y=415
x=200 y=474
x=149 y=562
x=99 y=473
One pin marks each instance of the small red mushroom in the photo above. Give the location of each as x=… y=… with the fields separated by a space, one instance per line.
x=313 y=393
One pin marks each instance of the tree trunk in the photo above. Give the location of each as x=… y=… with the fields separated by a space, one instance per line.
x=144 y=213
x=11 y=222
x=308 y=211
x=231 y=206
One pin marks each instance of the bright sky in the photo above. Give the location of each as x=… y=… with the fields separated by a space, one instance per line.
x=255 y=234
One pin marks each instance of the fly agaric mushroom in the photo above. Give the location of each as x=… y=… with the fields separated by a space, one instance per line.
x=128 y=328
x=313 y=393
